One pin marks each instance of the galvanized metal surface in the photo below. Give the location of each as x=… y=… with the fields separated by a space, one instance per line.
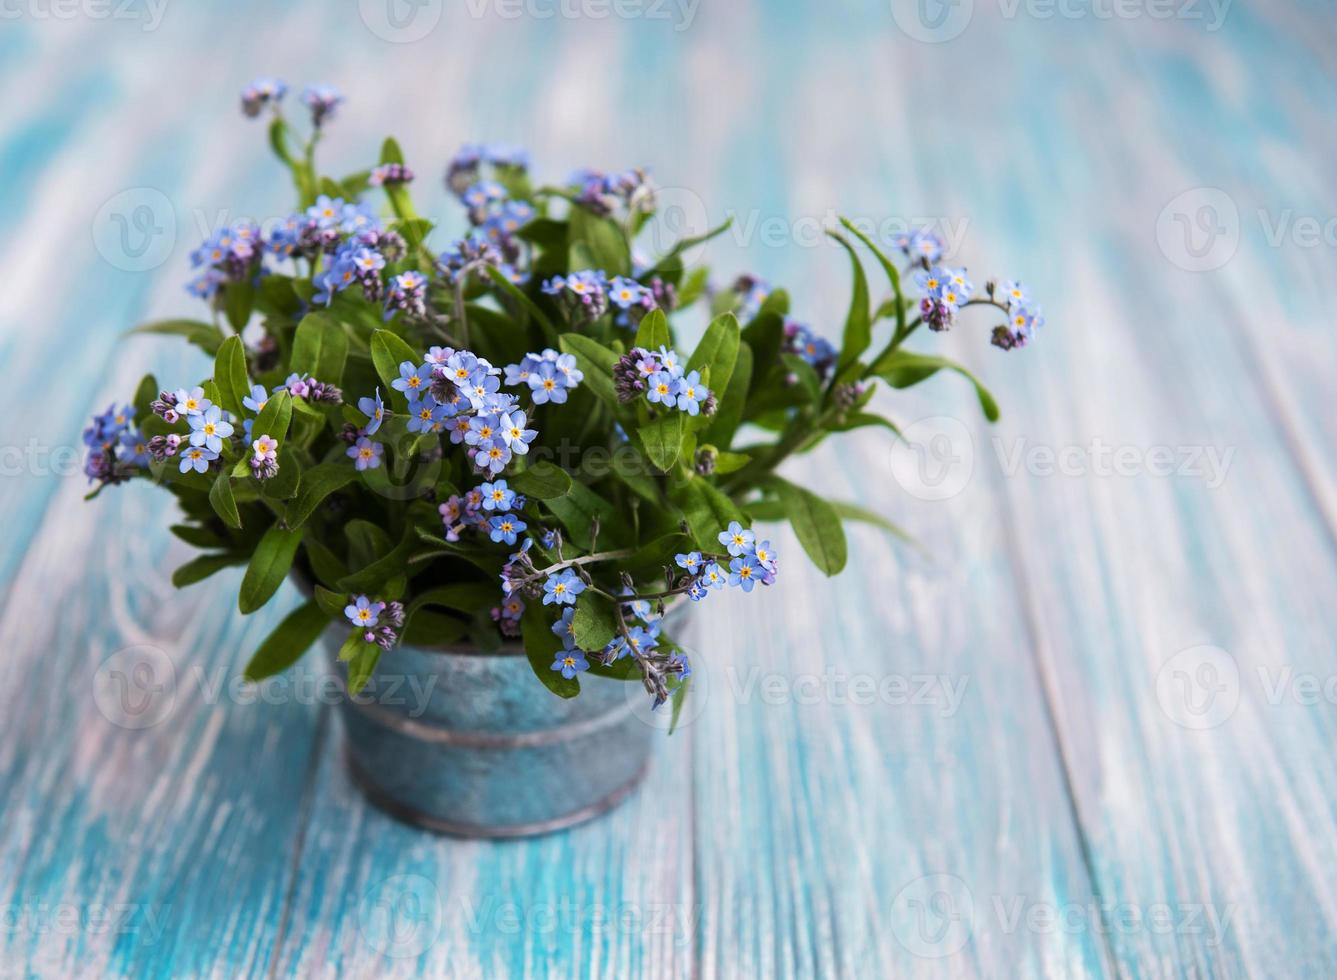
x=470 y=744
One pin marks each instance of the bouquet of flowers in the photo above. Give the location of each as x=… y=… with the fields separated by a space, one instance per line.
x=506 y=438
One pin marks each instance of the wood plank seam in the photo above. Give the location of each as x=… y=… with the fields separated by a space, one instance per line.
x=299 y=841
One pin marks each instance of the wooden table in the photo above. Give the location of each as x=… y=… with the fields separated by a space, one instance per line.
x=1085 y=731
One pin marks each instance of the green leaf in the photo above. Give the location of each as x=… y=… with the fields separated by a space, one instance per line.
x=230 y=374
x=542 y=481
x=324 y=562
x=330 y=602
x=853 y=512
x=679 y=697
x=662 y=438
x=203 y=335
x=542 y=646
x=367 y=542
x=278 y=140
x=283 y=484
x=274 y=418
x=238 y=301
x=816 y=523
x=718 y=350
x=577 y=511
x=200 y=537
x=520 y=296
x=375 y=576
x=708 y=512
x=902 y=368
x=595 y=361
x=269 y=565
x=727 y=462
x=145 y=395
x=653 y=333
x=352 y=646
x=362 y=666
x=388 y=351
x=319 y=348
x=859 y=323
x=318 y=483
x=595 y=622
x=286 y=643
x=390 y=151
x=201 y=567
x=603 y=238
x=466 y=597
x=858 y=420
x=893 y=276
x=732 y=401
x=224 y=504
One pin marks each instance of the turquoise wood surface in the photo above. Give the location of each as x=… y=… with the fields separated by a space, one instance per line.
x=1103 y=691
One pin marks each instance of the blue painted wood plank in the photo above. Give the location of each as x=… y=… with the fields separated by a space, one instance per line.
x=1173 y=608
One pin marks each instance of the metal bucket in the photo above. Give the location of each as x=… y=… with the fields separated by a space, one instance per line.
x=470 y=743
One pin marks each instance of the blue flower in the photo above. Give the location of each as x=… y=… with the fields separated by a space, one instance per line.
x=413 y=379
x=260 y=93
x=562 y=588
x=691 y=393
x=374 y=410
x=362 y=612
x=663 y=388
x=134 y=449
x=482 y=429
x=209 y=429
x=766 y=556
x=480 y=388
x=565 y=630
x=1014 y=293
x=326 y=211
x=546 y=386
x=670 y=361
x=566 y=367
x=505 y=527
x=322 y=100
x=571 y=663
x=745 y=572
x=492 y=455
x=625 y=293
x=497 y=496
x=366 y=455
x=511 y=425
x=921 y=244
x=690 y=560
x=191 y=402
x=425 y=415
x=737 y=539
x=197 y=458
x=696 y=591
x=256 y=400
x=712 y=576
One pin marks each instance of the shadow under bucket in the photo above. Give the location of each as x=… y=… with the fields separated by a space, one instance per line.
x=471 y=744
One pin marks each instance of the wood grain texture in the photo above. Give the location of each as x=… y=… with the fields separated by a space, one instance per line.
x=1016 y=797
